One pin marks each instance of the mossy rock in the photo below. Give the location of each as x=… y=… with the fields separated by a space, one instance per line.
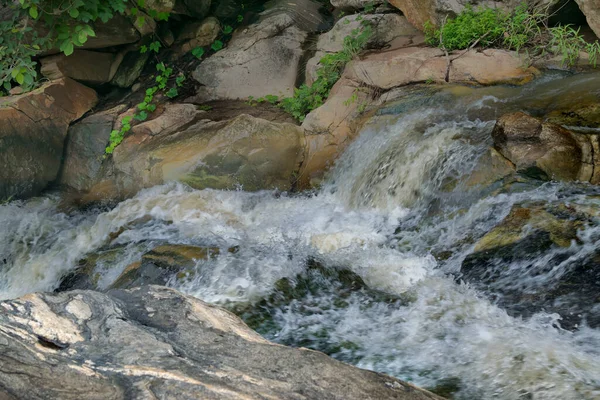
x=587 y=116
x=530 y=233
x=162 y=263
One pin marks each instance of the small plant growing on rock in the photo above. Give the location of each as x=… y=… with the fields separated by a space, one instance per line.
x=525 y=27
x=307 y=98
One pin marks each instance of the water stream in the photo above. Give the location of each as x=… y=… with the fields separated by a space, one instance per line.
x=398 y=210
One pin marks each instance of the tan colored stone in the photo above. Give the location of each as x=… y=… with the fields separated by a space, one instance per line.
x=591 y=9
x=33 y=127
x=262 y=60
x=83 y=65
x=538 y=149
x=400 y=67
x=330 y=129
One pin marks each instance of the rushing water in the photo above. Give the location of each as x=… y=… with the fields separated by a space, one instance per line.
x=397 y=199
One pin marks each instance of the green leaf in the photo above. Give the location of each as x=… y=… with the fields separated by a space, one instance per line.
x=227 y=29
x=74 y=13
x=217 y=45
x=143 y=49
x=198 y=52
x=33 y=11
x=142 y=116
x=240 y=18
x=20 y=78
x=172 y=92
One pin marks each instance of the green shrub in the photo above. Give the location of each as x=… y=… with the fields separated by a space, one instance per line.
x=525 y=27
x=307 y=98
x=485 y=25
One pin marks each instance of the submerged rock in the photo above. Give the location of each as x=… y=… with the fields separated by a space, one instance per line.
x=33 y=127
x=545 y=150
x=525 y=262
x=153 y=342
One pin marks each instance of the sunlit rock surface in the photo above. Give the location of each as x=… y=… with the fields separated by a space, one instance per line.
x=154 y=342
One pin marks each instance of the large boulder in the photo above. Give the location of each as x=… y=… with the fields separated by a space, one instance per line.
x=546 y=150
x=389 y=31
x=591 y=10
x=33 y=128
x=262 y=60
x=153 y=342
x=331 y=128
x=183 y=144
x=91 y=67
x=85 y=147
x=400 y=67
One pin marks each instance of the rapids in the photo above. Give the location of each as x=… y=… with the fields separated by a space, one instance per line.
x=396 y=200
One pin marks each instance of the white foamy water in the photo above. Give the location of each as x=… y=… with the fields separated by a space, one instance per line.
x=394 y=200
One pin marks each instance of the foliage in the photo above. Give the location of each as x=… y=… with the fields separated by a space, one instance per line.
x=69 y=24
x=525 y=27
x=307 y=98
x=148 y=105
x=469 y=26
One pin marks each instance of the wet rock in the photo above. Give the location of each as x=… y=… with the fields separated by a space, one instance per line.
x=386 y=70
x=159 y=265
x=577 y=115
x=543 y=150
x=91 y=67
x=181 y=145
x=331 y=128
x=33 y=128
x=525 y=263
x=302 y=293
x=492 y=167
x=262 y=60
x=155 y=342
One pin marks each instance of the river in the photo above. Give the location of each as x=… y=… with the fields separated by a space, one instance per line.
x=398 y=211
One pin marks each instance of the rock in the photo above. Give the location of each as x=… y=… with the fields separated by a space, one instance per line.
x=538 y=149
x=90 y=67
x=354 y=3
x=195 y=8
x=389 y=30
x=591 y=10
x=198 y=34
x=263 y=60
x=33 y=127
x=154 y=342
x=205 y=31
x=400 y=67
x=577 y=115
x=506 y=263
x=84 y=148
x=492 y=167
x=130 y=68
x=117 y=31
x=162 y=263
x=331 y=128
x=182 y=144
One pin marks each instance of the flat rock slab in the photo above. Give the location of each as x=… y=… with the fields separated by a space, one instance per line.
x=155 y=343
